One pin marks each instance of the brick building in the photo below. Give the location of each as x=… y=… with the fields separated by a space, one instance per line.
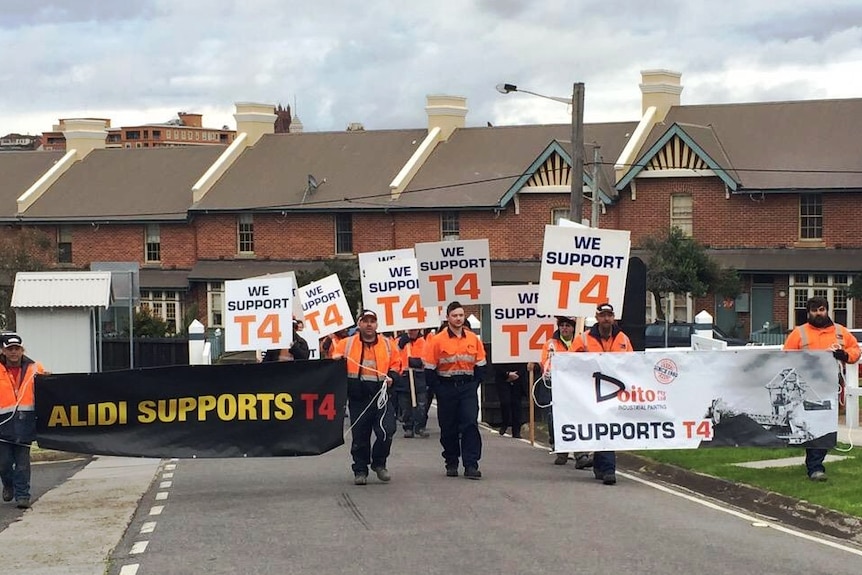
x=768 y=187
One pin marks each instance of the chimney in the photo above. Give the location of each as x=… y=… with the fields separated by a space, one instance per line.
x=446 y=113
x=660 y=89
x=191 y=120
x=255 y=120
x=84 y=135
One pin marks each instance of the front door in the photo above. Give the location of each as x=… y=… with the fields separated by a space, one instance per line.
x=761 y=306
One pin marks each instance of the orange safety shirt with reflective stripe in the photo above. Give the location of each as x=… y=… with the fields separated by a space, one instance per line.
x=19 y=393
x=368 y=361
x=834 y=336
x=335 y=340
x=454 y=356
x=591 y=341
x=413 y=348
x=558 y=345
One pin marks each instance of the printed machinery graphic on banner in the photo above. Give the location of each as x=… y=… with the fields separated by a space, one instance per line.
x=581 y=268
x=391 y=288
x=454 y=271
x=694 y=399
x=258 y=313
x=518 y=330
x=325 y=306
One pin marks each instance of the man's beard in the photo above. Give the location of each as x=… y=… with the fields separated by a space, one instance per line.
x=605 y=330
x=819 y=320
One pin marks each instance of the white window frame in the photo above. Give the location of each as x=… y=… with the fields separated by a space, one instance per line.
x=215 y=304
x=813 y=285
x=159 y=302
x=152 y=237
x=557 y=214
x=682 y=213
x=245 y=234
x=446 y=221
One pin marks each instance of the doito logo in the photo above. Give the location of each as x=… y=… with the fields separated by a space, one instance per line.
x=633 y=394
x=665 y=371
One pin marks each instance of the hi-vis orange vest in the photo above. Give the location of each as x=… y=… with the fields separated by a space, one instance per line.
x=558 y=346
x=368 y=362
x=454 y=356
x=18 y=394
x=806 y=337
x=591 y=341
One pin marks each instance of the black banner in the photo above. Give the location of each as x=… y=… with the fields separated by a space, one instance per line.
x=243 y=410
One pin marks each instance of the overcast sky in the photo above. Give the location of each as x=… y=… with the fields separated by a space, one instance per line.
x=374 y=61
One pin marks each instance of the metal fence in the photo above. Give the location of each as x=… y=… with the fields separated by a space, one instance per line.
x=149 y=352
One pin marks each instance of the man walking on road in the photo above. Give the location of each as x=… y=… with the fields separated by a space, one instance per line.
x=17 y=419
x=412 y=393
x=605 y=336
x=822 y=333
x=455 y=362
x=373 y=363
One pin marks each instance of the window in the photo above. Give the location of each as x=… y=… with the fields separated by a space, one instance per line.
x=681 y=208
x=245 y=233
x=832 y=287
x=810 y=217
x=133 y=135
x=450 y=226
x=64 y=245
x=215 y=304
x=153 y=244
x=557 y=214
x=164 y=305
x=343 y=233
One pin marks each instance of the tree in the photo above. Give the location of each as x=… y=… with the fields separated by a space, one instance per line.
x=149 y=325
x=348 y=274
x=21 y=250
x=679 y=264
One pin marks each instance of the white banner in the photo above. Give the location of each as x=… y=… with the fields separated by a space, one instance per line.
x=258 y=313
x=454 y=271
x=581 y=268
x=297 y=305
x=391 y=288
x=518 y=330
x=691 y=399
x=325 y=306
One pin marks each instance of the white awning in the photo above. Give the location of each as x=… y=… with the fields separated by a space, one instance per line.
x=62 y=289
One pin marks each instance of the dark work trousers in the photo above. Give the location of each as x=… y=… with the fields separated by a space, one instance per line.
x=15 y=467
x=458 y=415
x=430 y=395
x=814 y=460
x=509 y=394
x=413 y=418
x=604 y=462
x=381 y=421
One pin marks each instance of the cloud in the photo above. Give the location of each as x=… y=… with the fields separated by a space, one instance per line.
x=374 y=62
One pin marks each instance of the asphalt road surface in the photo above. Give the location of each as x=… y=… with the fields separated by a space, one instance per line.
x=304 y=515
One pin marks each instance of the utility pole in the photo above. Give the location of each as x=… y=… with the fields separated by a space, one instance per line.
x=576 y=206
x=594 y=220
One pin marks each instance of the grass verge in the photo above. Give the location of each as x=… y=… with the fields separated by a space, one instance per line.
x=840 y=493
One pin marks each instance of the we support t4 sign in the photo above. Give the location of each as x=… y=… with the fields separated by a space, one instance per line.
x=581 y=268
x=258 y=313
x=454 y=271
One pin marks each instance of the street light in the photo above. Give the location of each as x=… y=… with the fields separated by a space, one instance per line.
x=576 y=202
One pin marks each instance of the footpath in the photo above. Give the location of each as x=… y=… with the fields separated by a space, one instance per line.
x=73 y=528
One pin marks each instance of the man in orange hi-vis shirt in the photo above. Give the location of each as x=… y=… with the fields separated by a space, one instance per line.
x=605 y=336
x=372 y=362
x=822 y=333
x=455 y=362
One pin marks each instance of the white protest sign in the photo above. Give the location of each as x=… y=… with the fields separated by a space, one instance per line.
x=391 y=289
x=325 y=306
x=258 y=313
x=581 y=268
x=297 y=305
x=454 y=271
x=366 y=258
x=518 y=330
x=313 y=340
x=694 y=399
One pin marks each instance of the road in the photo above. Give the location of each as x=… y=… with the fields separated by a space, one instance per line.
x=526 y=516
